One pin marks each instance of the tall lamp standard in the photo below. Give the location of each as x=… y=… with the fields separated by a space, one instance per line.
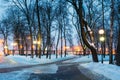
x=102 y=39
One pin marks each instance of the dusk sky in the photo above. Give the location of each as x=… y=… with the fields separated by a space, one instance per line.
x=3 y=6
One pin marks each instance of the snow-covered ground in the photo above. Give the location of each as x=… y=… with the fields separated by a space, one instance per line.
x=24 y=74
x=17 y=60
x=86 y=59
x=110 y=71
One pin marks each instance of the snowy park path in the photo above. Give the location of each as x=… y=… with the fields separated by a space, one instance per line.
x=64 y=72
x=17 y=68
x=68 y=71
x=63 y=69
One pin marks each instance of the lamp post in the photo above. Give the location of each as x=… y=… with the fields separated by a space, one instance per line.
x=102 y=39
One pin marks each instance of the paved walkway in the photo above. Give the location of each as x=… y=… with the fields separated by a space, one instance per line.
x=17 y=68
x=66 y=72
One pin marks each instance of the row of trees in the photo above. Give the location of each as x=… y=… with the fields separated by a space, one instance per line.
x=51 y=22
x=34 y=20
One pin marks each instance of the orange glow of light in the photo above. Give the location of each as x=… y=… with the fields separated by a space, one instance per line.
x=5 y=47
x=66 y=47
x=6 y=50
x=1 y=57
x=10 y=52
x=1 y=40
x=77 y=48
x=38 y=42
x=106 y=51
x=21 y=46
x=99 y=49
x=28 y=37
x=113 y=51
x=34 y=42
x=1 y=53
x=14 y=44
x=33 y=46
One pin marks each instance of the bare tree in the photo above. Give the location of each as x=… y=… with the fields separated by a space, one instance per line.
x=111 y=32
x=28 y=8
x=84 y=26
x=5 y=31
x=117 y=55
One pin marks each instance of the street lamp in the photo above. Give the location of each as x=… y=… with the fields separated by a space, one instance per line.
x=102 y=39
x=34 y=42
x=101 y=31
x=38 y=42
x=102 y=35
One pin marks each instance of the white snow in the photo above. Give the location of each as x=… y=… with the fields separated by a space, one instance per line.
x=86 y=59
x=110 y=71
x=17 y=60
x=24 y=74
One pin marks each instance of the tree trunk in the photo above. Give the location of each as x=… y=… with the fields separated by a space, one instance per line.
x=79 y=10
x=83 y=24
x=57 y=44
x=92 y=48
x=32 y=55
x=61 y=42
x=111 y=32
x=39 y=28
x=117 y=56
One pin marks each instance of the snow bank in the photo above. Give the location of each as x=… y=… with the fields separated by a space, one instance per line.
x=84 y=59
x=108 y=70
